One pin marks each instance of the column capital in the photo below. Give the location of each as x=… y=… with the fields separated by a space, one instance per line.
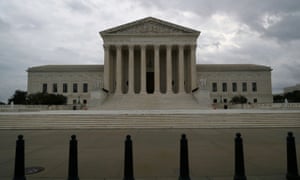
x=193 y=46
x=156 y=46
x=143 y=46
x=181 y=45
x=130 y=46
x=106 y=46
x=118 y=46
x=168 y=46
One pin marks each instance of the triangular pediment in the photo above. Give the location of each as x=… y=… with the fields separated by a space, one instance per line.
x=149 y=25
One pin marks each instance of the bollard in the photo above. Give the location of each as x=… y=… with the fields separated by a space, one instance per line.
x=19 y=173
x=292 y=168
x=128 y=163
x=239 y=159
x=184 y=159
x=73 y=161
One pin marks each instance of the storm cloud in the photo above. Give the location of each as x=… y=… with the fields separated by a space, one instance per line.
x=66 y=32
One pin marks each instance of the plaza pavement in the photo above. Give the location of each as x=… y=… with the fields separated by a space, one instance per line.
x=156 y=150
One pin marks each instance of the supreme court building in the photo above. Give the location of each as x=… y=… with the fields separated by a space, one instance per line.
x=151 y=64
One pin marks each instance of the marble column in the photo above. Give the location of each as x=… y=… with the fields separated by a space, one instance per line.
x=119 y=70
x=143 y=69
x=181 y=69
x=107 y=77
x=156 y=70
x=193 y=67
x=131 y=70
x=169 y=69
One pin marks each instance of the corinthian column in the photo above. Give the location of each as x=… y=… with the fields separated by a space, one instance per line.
x=169 y=69
x=107 y=78
x=156 y=69
x=131 y=70
x=193 y=67
x=143 y=69
x=119 y=70
x=181 y=69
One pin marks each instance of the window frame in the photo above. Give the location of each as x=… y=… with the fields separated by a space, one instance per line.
x=75 y=88
x=214 y=87
x=244 y=87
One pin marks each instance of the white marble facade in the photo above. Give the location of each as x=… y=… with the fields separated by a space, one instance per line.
x=149 y=56
x=152 y=57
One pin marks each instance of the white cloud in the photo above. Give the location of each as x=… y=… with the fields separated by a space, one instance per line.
x=66 y=32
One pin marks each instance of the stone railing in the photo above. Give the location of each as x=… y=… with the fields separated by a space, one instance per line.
x=24 y=108
x=259 y=106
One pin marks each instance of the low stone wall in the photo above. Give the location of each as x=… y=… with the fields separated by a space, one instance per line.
x=28 y=108
x=259 y=106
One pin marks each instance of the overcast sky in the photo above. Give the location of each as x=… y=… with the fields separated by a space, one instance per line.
x=40 y=32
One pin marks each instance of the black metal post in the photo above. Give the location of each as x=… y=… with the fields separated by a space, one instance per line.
x=19 y=173
x=292 y=168
x=239 y=159
x=73 y=161
x=184 y=159
x=128 y=163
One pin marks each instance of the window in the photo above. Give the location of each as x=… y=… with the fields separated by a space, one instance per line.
x=54 y=88
x=224 y=87
x=44 y=88
x=255 y=100
x=214 y=87
x=215 y=100
x=84 y=101
x=65 y=87
x=244 y=86
x=225 y=100
x=85 y=87
x=234 y=87
x=254 y=87
x=75 y=88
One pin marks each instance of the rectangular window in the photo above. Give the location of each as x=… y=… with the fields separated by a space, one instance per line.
x=75 y=88
x=254 y=87
x=255 y=100
x=44 y=88
x=54 y=88
x=244 y=86
x=85 y=87
x=65 y=87
x=224 y=87
x=234 y=87
x=214 y=87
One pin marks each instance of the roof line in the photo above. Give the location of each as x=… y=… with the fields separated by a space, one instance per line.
x=110 y=30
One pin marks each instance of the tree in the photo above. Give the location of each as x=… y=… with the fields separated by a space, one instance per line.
x=2 y=103
x=290 y=96
x=19 y=97
x=278 y=98
x=238 y=99
x=46 y=99
x=293 y=96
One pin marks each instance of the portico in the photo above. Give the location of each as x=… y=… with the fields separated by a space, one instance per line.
x=149 y=56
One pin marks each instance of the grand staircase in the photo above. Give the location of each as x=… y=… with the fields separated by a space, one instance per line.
x=146 y=119
x=151 y=102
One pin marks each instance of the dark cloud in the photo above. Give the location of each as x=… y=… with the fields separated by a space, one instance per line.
x=286 y=29
x=66 y=32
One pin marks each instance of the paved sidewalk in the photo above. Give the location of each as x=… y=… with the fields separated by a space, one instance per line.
x=156 y=153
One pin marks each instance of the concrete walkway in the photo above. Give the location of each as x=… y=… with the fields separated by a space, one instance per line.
x=156 y=136
x=156 y=153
